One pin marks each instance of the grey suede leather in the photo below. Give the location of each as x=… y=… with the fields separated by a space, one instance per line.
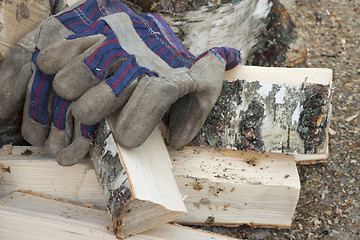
x=189 y=93
x=147 y=99
x=16 y=77
x=15 y=72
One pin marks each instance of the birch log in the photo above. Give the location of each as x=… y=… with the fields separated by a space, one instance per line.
x=262 y=30
x=17 y=18
x=140 y=189
x=38 y=217
x=283 y=110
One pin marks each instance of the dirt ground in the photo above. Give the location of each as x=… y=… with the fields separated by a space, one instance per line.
x=329 y=204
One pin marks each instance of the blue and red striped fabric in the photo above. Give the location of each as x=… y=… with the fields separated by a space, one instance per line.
x=39 y=96
x=61 y=106
x=83 y=21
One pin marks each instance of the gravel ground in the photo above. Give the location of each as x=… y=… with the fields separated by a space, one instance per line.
x=329 y=204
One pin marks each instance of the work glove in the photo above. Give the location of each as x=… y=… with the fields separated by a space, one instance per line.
x=100 y=57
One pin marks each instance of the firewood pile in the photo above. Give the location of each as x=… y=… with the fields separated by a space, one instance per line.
x=239 y=169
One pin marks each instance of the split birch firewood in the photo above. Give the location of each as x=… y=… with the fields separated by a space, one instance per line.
x=140 y=189
x=231 y=188
x=30 y=168
x=17 y=18
x=222 y=187
x=283 y=110
x=30 y=216
x=226 y=188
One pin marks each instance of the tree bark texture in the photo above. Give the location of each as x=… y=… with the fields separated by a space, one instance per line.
x=268 y=117
x=261 y=29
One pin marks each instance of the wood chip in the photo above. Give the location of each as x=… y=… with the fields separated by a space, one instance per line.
x=349 y=119
x=332 y=132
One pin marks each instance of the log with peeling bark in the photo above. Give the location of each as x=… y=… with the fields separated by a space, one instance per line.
x=32 y=216
x=221 y=187
x=261 y=29
x=19 y=17
x=140 y=189
x=283 y=110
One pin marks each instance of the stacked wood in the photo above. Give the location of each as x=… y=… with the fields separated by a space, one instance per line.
x=211 y=182
x=247 y=25
x=38 y=217
x=261 y=29
x=220 y=187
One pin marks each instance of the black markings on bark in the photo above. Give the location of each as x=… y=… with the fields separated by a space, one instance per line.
x=313 y=118
x=109 y=170
x=275 y=40
x=246 y=113
x=249 y=128
x=248 y=134
x=220 y=115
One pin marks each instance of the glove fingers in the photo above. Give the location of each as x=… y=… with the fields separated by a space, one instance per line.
x=110 y=95
x=76 y=78
x=187 y=116
x=99 y=102
x=37 y=113
x=189 y=113
x=33 y=132
x=54 y=57
x=144 y=110
x=61 y=132
x=57 y=140
x=76 y=151
x=16 y=70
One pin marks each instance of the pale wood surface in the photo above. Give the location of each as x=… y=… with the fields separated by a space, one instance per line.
x=226 y=187
x=31 y=216
x=205 y=176
x=280 y=75
x=19 y=17
x=30 y=168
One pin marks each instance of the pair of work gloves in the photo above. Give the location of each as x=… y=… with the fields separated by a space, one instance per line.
x=99 y=57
